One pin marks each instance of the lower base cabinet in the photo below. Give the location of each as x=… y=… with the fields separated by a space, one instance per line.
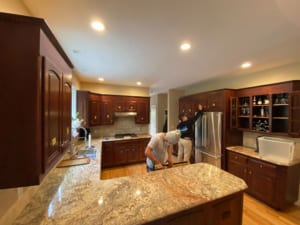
x=273 y=184
x=224 y=211
x=123 y=152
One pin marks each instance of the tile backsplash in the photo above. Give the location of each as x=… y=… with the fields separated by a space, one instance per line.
x=121 y=125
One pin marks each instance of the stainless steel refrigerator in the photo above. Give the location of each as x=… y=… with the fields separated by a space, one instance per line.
x=208 y=135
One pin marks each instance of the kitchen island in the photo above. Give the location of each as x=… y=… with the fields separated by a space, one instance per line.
x=77 y=195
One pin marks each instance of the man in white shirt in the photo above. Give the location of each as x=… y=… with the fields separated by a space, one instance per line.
x=159 y=149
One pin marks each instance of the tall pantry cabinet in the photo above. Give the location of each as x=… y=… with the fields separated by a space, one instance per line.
x=35 y=96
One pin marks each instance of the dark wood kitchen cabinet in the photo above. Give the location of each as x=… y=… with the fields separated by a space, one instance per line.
x=224 y=211
x=124 y=104
x=143 y=110
x=214 y=101
x=106 y=111
x=35 y=91
x=272 y=108
x=98 y=109
x=273 y=184
x=123 y=152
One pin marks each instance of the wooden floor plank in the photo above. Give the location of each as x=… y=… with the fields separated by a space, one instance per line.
x=254 y=211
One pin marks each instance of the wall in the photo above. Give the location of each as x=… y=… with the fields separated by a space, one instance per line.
x=279 y=74
x=173 y=108
x=115 y=89
x=15 y=199
x=14 y=6
x=160 y=101
x=121 y=125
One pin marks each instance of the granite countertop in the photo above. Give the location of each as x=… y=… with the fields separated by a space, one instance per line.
x=252 y=153
x=76 y=195
x=139 y=136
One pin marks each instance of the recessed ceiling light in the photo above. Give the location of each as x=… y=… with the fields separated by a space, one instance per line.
x=185 y=46
x=246 y=65
x=101 y=79
x=139 y=83
x=97 y=25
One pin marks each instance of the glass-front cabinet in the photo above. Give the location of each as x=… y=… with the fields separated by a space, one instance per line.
x=268 y=109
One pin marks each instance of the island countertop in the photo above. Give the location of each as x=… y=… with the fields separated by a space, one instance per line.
x=76 y=195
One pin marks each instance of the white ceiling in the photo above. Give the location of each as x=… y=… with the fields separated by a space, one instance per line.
x=141 y=42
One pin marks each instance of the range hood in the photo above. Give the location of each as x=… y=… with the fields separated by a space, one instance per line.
x=125 y=114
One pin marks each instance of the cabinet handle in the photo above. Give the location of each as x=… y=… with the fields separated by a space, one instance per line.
x=214 y=104
x=119 y=107
x=107 y=116
x=250 y=172
x=95 y=117
x=260 y=166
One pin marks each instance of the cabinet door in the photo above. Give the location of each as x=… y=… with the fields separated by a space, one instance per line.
x=120 y=154
x=94 y=108
x=106 y=113
x=143 y=145
x=133 y=154
x=66 y=115
x=216 y=101
x=261 y=180
x=52 y=113
x=187 y=107
x=294 y=112
x=130 y=106
x=237 y=165
x=108 y=154
x=233 y=113
x=228 y=212
x=118 y=104
x=142 y=108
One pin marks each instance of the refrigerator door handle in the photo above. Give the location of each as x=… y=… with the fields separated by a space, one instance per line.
x=204 y=131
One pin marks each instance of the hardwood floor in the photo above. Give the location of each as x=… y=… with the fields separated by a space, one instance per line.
x=254 y=212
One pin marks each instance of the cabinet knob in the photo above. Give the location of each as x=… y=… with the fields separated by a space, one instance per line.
x=107 y=115
x=95 y=117
x=213 y=105
x=250 y=172
x=235 y=157
x=260 y=166
x=119 y=107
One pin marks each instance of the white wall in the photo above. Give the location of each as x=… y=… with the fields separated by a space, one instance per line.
x=280 y=74
x=14 y=6
x=115 y=89
x=173 y=108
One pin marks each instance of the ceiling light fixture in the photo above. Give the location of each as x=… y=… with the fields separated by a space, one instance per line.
x=246 y=65
x=97 y=25
x=185 y=46
x=139 y=83
x=101 y=79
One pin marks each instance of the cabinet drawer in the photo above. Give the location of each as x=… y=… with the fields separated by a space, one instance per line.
x=262 y=167
x=237 y=158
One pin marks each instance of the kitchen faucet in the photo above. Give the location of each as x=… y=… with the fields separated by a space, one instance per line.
x=85 y=132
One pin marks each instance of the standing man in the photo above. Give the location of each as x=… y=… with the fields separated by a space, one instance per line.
x=187 y=135
x=159 y=149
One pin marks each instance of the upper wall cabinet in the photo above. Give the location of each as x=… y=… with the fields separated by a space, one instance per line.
x=98 y=109
x=270 y=108
x=35 y=93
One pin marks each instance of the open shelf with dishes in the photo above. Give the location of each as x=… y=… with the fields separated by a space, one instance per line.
x=266 y=113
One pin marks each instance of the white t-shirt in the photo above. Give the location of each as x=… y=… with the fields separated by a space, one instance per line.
x=159 y=149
